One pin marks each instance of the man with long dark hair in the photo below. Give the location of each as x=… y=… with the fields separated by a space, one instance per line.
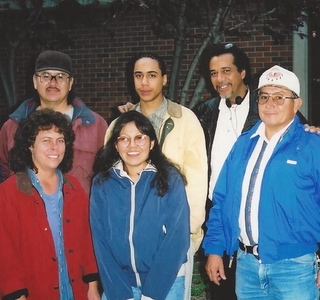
x=227 y=70
x=180 y=137
x=266 y=203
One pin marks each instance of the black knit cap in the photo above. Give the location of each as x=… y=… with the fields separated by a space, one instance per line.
x=53 y=60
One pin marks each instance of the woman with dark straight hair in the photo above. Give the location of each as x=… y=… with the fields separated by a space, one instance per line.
x=139 y=215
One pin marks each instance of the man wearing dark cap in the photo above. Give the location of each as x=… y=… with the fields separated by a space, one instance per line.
x=53 y=82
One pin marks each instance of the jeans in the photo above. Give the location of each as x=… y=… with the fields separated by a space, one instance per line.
x=287 y=279
x=189 y=273
x=176 y=292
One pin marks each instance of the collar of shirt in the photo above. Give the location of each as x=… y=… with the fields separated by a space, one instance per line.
x=229 y=127
x=122 y=173
x=276 y=138
x=244 y=106
x=261 y=131
x=157 y=117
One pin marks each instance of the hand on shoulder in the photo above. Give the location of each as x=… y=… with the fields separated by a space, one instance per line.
x=312 y=129
x=126 y=107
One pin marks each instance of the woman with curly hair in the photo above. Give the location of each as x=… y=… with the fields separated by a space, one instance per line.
x=139 y=215
x=46 y=250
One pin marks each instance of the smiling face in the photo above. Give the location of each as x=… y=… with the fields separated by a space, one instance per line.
x=48 y=150
x=52 y=93
x=225 y=77
x=133 y=156
x=148 y=80
x=275 y=116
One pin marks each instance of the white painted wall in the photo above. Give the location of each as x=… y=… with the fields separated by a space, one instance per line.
x=300 y=65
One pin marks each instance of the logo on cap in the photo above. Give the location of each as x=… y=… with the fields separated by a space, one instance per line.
x=282 y=77
x=274 y=76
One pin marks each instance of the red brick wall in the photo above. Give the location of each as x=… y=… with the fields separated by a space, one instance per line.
x=99 y=60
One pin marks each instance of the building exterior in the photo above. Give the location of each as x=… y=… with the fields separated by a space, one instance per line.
x=100 y=54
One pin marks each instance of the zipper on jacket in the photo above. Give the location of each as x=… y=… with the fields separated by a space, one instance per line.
x=131 y=229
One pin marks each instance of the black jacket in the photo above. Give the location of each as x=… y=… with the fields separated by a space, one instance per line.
x=208 y=113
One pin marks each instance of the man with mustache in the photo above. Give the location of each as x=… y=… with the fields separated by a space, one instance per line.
x=227 y=69
x=266 y=200
x=53 y=80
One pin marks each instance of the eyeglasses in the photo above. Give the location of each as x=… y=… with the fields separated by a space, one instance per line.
x=277 y=98
x=124 y=141
x=47 y=77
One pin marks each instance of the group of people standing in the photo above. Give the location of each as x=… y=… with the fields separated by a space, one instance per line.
x=124 y=204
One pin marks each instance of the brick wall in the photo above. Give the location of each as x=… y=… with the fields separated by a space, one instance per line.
x=99 y=57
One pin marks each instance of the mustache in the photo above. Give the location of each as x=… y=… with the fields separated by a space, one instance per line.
x=220 y=84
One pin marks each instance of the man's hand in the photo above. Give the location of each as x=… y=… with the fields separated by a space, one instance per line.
x=312 y=129
x=215 y=269
x=126 y=107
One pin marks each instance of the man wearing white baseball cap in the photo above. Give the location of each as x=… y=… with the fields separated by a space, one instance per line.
x=267 y=200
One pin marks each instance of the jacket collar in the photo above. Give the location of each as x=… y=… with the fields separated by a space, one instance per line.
x=173 y=109
x=30 y=105
x=288 y=137
x=253 y=115
x=24 y=183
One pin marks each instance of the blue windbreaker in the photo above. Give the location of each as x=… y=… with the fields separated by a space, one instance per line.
x=140 y=238
x=289 y=207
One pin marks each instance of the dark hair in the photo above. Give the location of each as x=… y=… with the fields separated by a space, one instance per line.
x=20 y=156
x=108 y=155
x=161 y=63
x=130 y=68
x=240 y=60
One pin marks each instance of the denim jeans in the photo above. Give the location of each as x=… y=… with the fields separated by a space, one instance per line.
x=288 y=279
x=176 y=292
x=189 y=273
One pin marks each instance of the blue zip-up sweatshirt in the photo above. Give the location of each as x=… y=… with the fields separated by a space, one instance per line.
x=139 y=237
x=289 y=207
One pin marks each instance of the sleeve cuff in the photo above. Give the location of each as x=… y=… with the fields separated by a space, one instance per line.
x=16 y=294
x=145 y=298
x=90 y=277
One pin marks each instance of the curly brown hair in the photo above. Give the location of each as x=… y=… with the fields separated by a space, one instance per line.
x=20 y=156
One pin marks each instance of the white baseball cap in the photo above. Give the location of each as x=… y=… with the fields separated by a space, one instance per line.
x=278 y=76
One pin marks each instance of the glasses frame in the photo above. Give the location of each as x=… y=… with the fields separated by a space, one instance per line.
x=283 y=98
x=138 y=137
x=58 y=80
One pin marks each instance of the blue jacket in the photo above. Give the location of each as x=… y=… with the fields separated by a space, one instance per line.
x=140 y=238
x=289 y=210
